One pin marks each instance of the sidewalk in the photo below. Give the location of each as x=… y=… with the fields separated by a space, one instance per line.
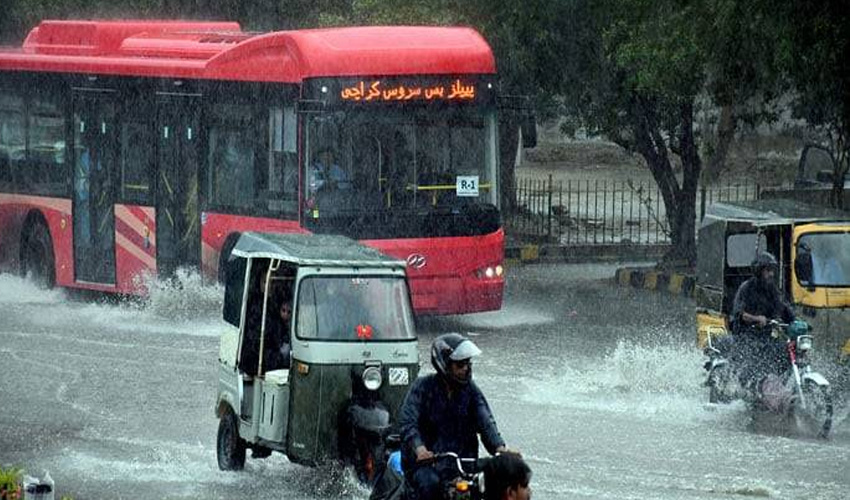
x=516 y=253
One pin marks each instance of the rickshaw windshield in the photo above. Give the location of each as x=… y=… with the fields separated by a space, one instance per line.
x=830 y=258
x=344 y=308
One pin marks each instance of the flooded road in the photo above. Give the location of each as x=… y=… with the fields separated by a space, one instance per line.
x=598 y=386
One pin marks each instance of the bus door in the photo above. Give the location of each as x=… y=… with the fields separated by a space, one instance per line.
x=94 y=186
x=178 y=231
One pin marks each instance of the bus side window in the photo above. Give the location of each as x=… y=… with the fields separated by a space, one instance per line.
x=232 y=157
x=47 y=170
x=283 y=162
x=137 y=159
x=12 y=137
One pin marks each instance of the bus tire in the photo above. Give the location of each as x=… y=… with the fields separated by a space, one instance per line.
x=37 y=261
x=224 y=256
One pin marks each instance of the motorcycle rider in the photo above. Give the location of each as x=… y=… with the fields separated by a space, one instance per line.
x=445 y=412
x=758 y=302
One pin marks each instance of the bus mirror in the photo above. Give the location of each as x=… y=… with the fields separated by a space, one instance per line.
x=520 y=109
x=529 y=131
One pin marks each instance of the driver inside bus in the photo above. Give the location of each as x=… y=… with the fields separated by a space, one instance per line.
x=326 y=172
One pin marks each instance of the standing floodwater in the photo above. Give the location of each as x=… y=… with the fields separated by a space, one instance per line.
x=599 y=386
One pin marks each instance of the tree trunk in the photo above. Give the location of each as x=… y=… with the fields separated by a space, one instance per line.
x=725 y=133
x=684 y=252
x=679 y=201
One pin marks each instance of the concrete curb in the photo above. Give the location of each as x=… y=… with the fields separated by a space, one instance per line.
x=531 y=253
x=649 y=278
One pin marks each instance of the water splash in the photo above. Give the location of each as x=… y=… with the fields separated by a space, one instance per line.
x=184 y=297
x=17 y=290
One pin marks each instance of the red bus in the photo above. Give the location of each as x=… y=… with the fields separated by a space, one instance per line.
x=131 y=148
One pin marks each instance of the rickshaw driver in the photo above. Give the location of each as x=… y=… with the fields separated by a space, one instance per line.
x=278 y=331
x=757 y=302
x=445 y=412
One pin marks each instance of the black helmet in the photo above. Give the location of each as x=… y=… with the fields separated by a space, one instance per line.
x=764 y=260
x=451 y=347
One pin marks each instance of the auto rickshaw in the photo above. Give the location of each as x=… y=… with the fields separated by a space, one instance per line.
x=326 y=386
x=812 y=246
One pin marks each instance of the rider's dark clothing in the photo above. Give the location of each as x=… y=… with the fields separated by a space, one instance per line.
x=758 y=353
x=441 y=423
x=759 y=299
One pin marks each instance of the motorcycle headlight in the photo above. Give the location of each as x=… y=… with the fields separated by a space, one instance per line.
x=372 y=378
x=804 y=343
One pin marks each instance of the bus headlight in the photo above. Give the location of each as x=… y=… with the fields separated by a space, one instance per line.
x=491 y=272
x=372 y=378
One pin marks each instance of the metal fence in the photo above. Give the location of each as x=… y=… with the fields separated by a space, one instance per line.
x=598 y=212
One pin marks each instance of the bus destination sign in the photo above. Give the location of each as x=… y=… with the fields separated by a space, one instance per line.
x=377 y=91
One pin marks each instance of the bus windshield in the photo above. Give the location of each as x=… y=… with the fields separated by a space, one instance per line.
x=830 y=258
x=394 y=173
x=345 y=308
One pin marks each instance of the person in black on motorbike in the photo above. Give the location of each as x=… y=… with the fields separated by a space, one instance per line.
x=758 y=302
x=445 y=412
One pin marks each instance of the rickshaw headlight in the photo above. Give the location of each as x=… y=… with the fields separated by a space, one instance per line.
x=372 y=378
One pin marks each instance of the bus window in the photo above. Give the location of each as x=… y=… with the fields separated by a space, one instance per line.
x=283 y=162
x=12 y=137
x=232 y=157
x=137 y=157
x=47 y=172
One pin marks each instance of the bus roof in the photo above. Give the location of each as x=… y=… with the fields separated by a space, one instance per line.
x=312 y=250
x=222 y=51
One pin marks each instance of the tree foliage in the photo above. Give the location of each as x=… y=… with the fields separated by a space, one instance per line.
x=818 y=65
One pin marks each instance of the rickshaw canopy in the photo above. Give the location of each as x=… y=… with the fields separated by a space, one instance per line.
x=312 y=250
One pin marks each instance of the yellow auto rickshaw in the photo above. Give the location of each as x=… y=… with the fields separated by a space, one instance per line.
x=812 y=245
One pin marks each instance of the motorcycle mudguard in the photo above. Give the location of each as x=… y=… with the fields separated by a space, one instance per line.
x=816 y=377
x=370 y=418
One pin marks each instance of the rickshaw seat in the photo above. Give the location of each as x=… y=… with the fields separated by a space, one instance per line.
x=278 y=377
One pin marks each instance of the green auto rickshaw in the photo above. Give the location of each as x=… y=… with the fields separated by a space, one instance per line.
x=317 y=352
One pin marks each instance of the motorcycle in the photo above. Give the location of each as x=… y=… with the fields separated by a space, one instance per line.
x=797 y=392
x=468 y=483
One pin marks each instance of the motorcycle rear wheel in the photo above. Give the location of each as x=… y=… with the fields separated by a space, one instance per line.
x=816 y=417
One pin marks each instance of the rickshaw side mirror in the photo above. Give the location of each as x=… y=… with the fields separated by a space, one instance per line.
x=803 y=267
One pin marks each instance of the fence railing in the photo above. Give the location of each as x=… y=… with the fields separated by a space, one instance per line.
x=598 y=212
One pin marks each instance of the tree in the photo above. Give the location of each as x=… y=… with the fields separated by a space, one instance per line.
x=818 y=64
x=652 y=63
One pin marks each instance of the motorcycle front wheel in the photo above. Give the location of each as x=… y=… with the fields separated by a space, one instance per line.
x=816 y=416
x=719 y=384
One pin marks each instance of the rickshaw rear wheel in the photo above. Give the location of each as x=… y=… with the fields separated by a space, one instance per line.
x=230 y=448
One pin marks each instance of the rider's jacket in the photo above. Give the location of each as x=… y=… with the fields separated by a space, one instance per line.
x=429 y=417
x=760 y=299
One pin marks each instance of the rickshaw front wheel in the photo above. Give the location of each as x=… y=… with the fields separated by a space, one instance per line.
x=230 y=447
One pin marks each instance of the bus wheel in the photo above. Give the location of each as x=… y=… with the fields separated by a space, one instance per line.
x=230 y=448
x=37 y=262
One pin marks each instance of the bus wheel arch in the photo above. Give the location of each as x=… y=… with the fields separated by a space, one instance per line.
x=229 y=243
x=37 y=259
